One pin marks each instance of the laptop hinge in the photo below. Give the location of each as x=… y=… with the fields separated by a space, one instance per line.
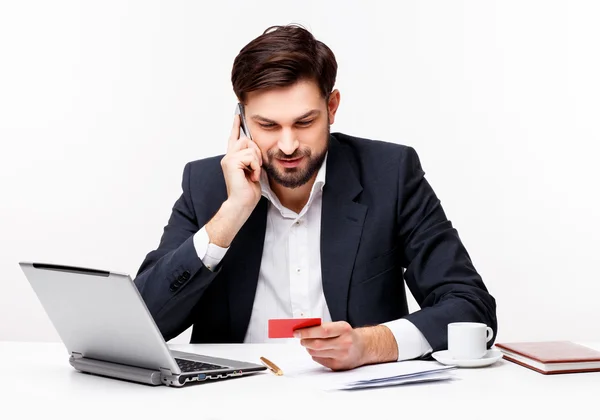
x=76 y=355
x=165 y=371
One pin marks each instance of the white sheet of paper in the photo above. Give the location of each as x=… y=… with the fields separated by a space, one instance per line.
x=384 y=374
x=426 y=377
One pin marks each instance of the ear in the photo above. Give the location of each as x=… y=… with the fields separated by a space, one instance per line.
x=332 y=105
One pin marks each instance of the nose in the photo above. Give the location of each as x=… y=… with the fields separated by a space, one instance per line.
x=287 y=142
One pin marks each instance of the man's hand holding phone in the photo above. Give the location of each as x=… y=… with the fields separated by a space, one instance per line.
x=241 y=169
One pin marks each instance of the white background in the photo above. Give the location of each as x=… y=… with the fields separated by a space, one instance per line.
x=102 y=104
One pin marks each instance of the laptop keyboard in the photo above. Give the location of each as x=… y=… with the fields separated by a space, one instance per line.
x=192 y=366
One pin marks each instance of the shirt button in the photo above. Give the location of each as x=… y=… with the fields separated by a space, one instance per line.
x=298 y=270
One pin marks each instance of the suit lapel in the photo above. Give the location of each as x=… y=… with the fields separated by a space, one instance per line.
x=245 y=255
x=342 y=221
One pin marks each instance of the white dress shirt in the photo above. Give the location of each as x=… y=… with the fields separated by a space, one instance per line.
x=289 y=280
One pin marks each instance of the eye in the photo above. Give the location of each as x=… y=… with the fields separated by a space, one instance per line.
x=267 y=126
x=304 y=123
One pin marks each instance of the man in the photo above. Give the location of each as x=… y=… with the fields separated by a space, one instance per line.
x=299 y=222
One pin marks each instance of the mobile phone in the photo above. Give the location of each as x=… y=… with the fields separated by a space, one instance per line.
x=243 y=124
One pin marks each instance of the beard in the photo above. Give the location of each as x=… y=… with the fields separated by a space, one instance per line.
x=295 y=177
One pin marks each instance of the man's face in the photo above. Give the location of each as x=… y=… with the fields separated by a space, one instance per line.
x=291 y=127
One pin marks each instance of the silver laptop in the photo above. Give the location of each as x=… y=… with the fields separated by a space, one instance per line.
x=107 y=329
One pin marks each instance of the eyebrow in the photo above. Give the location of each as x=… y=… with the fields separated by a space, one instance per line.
x=310 y=113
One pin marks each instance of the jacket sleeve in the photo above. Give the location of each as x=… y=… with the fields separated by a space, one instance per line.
x=439 y=271
x=172 y=278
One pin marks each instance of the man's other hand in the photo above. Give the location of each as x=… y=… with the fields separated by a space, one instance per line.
x=338 y=346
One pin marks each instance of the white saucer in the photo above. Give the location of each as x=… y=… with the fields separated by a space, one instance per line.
x=490 y=357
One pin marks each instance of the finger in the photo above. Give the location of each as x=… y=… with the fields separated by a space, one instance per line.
x=254 y=151
x=246 y=143
x=250 y=153
x=240 y=144
x=235 y=132
x=258 y=154
x=327 y=330
x=328 y=362
x=248 y=159
x=325 y=361
x=319 y=343
x=257 y=172
x=253 y=145
x=329 y=353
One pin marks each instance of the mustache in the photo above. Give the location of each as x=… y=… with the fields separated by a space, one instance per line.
x=296 y=155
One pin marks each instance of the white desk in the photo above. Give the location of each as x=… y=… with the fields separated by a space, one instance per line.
x=37 y=382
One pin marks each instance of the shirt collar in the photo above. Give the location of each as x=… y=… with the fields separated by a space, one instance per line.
x=317 y=186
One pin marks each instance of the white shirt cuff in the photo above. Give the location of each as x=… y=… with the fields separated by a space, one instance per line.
x=210 y=254
x=411 y=342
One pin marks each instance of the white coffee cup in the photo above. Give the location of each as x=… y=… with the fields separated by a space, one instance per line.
x=468 y=340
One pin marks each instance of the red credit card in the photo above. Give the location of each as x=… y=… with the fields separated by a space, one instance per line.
x=284 y=328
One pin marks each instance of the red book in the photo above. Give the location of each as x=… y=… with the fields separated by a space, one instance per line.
x=549 y=357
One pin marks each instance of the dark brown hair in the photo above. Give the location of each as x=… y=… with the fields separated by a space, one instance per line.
x=280 y=57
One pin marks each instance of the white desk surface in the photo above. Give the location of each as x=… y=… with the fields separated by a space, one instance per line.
x=37 y=382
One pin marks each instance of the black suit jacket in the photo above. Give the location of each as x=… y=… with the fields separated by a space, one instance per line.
x=381 y=225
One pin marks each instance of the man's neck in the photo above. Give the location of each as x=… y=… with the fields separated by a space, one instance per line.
x=293 y=198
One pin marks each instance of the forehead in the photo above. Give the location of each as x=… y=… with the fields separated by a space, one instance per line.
x=285 y=102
